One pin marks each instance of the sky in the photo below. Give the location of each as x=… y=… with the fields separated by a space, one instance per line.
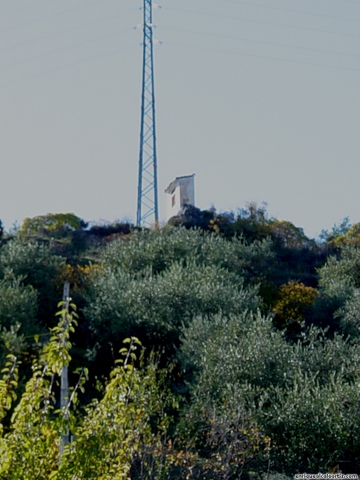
x=260 y=99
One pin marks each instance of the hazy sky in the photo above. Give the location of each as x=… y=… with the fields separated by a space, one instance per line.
x=260 y=99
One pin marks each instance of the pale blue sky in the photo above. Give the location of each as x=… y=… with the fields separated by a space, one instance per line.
x=260 y=99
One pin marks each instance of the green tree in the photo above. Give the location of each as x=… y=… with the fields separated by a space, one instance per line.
x=289 y=236
x=290 y=308
x=299 y=401
x=59 y=223
x=236 y=359
x=122 y=431
x=155 y=308
x=338 y=230
x=35 y=264
x=18 y=311
x=253 y=222
x=339 y=281
x=159 y=249
x=153 y=283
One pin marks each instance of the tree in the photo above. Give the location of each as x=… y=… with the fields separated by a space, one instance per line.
x=235 y=360
x=37 y=267
x=18 y=310
x=297 y=402
x=154 y=283
x=157 y=250
x=337 y=231
x=294 y=299
x=59 y=223
x=253 y=222
x=339 y=281
x=288 y=235
x=155 y=308
x=116 y=435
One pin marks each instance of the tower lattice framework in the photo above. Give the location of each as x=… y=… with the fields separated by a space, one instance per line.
x=147 y=204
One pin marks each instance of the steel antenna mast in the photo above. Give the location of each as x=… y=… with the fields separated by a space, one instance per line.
x=147 y=205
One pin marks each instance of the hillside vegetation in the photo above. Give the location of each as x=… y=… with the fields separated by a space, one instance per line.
x=241 y=356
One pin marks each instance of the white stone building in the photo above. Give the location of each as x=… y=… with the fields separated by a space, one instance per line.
x=181 y=191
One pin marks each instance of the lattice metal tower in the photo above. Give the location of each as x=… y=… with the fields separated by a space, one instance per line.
x=147 y=205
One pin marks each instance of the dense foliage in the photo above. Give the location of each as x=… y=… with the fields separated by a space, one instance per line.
x=242 y=358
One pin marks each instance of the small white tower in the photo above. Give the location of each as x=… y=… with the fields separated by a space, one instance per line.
x=181 y=192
